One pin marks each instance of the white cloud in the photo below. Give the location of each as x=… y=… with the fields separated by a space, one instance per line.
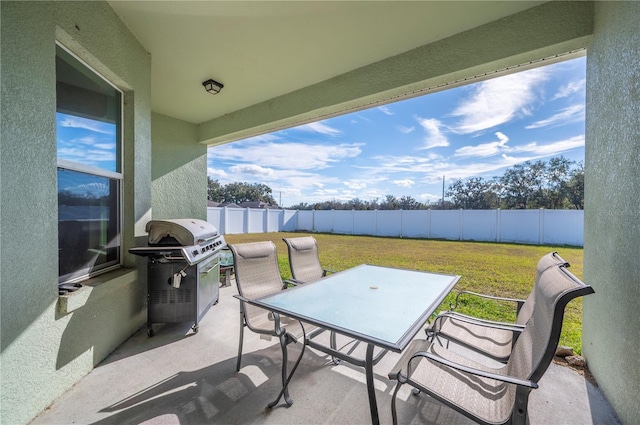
x=385 y=164
x=216 y=174
x=354 y=184
x=86 y=124
x=326 y=192
x=385 y=110
x=93 y=157
x=94 y=189
x=573 y=113
x=105 y=146
x=571 y=88
x=284 y=155
x=429 y=197
x=484 y=149
x=549 y=149
x=405 y=130
x=434 y=137
x=251 y=169
x=404 y=183
x=320 y=127
x=499 y=100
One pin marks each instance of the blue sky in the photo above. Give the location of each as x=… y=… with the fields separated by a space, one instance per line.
x=405 y=148
x=86 y=141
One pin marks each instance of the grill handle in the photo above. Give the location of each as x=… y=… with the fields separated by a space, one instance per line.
x=205 y=240
x=210 y=269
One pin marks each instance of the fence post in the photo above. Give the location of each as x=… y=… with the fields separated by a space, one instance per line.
x=333 y=219
x=540 y=226
x=353 y=221
x=498 y=224
x=375 y=223
x=223 y=221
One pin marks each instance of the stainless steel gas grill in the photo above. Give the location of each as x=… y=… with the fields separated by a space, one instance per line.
x=183 y=270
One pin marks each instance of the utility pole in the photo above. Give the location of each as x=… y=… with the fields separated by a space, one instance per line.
x=442 y=192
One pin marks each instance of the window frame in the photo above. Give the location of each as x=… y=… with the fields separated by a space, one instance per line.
x=65 y=164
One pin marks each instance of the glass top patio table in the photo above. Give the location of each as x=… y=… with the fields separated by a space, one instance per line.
x=383 y=306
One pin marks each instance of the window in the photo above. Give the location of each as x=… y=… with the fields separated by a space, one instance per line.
x=89 y=128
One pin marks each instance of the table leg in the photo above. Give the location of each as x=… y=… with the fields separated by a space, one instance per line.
x=368 y=367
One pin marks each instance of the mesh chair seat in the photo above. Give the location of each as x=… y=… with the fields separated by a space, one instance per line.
x=488 y=399
x=485 y=338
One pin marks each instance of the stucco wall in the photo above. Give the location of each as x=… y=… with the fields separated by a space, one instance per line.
x=49 y=342
x=179 y=171
x=611 y=336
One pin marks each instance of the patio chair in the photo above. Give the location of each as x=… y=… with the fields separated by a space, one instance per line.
x=305 y=267
x=258 y=275
x=303 y=259
x=490 y=338
x=485 y=394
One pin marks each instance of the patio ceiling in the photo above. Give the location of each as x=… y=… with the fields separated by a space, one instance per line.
x=261 y=50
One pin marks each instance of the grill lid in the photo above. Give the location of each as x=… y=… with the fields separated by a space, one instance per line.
x=185 y=231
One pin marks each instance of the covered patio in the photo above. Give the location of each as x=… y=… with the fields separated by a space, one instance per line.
x=177 y=377
x=282 y=64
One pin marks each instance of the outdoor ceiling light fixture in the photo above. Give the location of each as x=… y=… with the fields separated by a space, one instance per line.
x=212 y=86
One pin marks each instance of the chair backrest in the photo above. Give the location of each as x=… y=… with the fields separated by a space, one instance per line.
x=549 y=260
x=257 y=274
x=303 y=258
x=536 y=346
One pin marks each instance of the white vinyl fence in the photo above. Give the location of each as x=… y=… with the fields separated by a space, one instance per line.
x=537 y=227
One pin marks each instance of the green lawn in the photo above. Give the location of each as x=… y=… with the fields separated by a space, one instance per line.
x=494 y=268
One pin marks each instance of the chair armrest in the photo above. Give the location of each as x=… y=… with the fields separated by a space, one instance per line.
x=279 y=329
x=513 y=327
x=467 y=369
x=291 y=281
x=518 y=302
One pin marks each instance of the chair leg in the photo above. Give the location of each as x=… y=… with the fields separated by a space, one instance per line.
x=283 y=345
x=520 y=416
x=394 y=413
x=240 y=342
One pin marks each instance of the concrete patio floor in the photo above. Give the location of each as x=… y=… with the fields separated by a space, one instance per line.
x=177 y=377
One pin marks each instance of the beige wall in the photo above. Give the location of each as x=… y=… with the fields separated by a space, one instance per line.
x=178 y=173
x=611 y=325
x=49 y=342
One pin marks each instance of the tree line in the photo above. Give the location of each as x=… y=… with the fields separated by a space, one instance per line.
x=236 y=193
x=556 y=184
